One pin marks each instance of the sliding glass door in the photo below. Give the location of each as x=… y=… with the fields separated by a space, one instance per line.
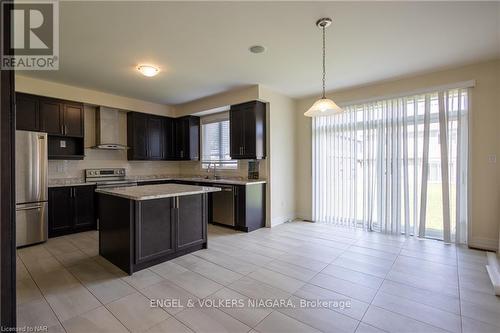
x=395 y=166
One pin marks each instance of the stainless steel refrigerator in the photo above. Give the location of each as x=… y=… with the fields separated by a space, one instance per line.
x=31 y=188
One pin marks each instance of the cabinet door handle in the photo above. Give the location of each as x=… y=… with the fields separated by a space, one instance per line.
x=65 y=129
x=62 y=129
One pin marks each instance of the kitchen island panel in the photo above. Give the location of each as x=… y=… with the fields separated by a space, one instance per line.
x=189 y=231
x=136 y=234
x=154 y=229
x=116 y=223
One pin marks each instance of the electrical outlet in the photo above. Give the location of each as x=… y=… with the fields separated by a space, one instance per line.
x=492 y=159
x=62 y=143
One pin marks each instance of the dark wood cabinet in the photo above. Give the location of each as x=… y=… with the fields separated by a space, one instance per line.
x=190 y=231
x=134 y=235
x=170 y=147
x=51 y=117
x=137 y=139
x=71 y=209
x=27 y=112
x=250 y=207
x=146 y=137
x=83 y=206
x=60 y=211
x=155 y=232
x=73 y=119
x=152 y=137
x=62 y=120
x=156 y=138
x=187 y=138
x=248 y=130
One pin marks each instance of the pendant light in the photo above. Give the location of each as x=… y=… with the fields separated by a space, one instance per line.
x=323 y=106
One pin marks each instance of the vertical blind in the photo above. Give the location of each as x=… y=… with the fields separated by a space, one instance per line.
x=397 y=165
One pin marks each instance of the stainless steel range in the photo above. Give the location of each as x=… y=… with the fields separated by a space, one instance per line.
x=109 y=177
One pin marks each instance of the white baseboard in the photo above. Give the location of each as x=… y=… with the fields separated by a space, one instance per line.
x=303 y=216
x=281 y=219
x=482 y=243
x=493 y=269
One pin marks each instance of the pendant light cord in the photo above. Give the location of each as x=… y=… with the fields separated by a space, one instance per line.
x=324 y=53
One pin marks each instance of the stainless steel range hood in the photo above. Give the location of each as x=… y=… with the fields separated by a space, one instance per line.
x=107 y=129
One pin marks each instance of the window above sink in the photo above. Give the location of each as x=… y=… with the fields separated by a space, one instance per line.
x=215 y=141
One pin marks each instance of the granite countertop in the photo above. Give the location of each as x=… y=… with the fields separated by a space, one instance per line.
x=227 y=180
x=59 y=182
x=149 y=192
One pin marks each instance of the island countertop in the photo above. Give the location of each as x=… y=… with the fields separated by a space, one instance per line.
x=150 y=192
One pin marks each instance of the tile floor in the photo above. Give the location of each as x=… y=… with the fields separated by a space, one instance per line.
x=385 y=283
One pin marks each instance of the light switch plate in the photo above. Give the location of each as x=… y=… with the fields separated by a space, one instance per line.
x=492 y=158
x=62 y=143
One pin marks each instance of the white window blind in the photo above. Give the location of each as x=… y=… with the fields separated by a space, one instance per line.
x=397 y=165
x=215 y=141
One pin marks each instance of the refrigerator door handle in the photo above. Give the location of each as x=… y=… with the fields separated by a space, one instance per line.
x=29 y=208
x=42 y=172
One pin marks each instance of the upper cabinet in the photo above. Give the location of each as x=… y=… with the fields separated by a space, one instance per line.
x=248 y=130
x=73 y=119
x=152 y=137
x=50 y=115
x=27 y=112
x=137 y=140
x=62 y=120
x=187 y=138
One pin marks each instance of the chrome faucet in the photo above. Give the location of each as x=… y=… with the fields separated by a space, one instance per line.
x=215 y=170
x=214 y=167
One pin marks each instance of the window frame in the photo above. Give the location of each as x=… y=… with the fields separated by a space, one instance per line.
x=229 y=164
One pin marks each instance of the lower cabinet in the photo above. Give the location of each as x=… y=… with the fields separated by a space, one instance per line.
x=71 y=209
x=155 y=229
x=166 y=228
x=134 y=235
x=190 y=231
x=249 y=204
x=249 y=207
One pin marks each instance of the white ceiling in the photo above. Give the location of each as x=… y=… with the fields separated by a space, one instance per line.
x=202 y=48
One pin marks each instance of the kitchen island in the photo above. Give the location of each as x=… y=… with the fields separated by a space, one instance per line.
x=141 y=226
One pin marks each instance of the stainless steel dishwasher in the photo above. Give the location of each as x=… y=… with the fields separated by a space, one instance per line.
x=223 y=205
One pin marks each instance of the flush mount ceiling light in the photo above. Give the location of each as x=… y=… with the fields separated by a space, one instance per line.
x=257 y=49
x=148 y=70
x=323 y=106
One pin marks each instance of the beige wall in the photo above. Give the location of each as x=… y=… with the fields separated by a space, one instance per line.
x=484 y=140
x=57 y=90
x=281 y=155
x=226 y=98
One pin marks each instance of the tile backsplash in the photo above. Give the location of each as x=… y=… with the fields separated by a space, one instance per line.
x=187 y=168
x=95 y=158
